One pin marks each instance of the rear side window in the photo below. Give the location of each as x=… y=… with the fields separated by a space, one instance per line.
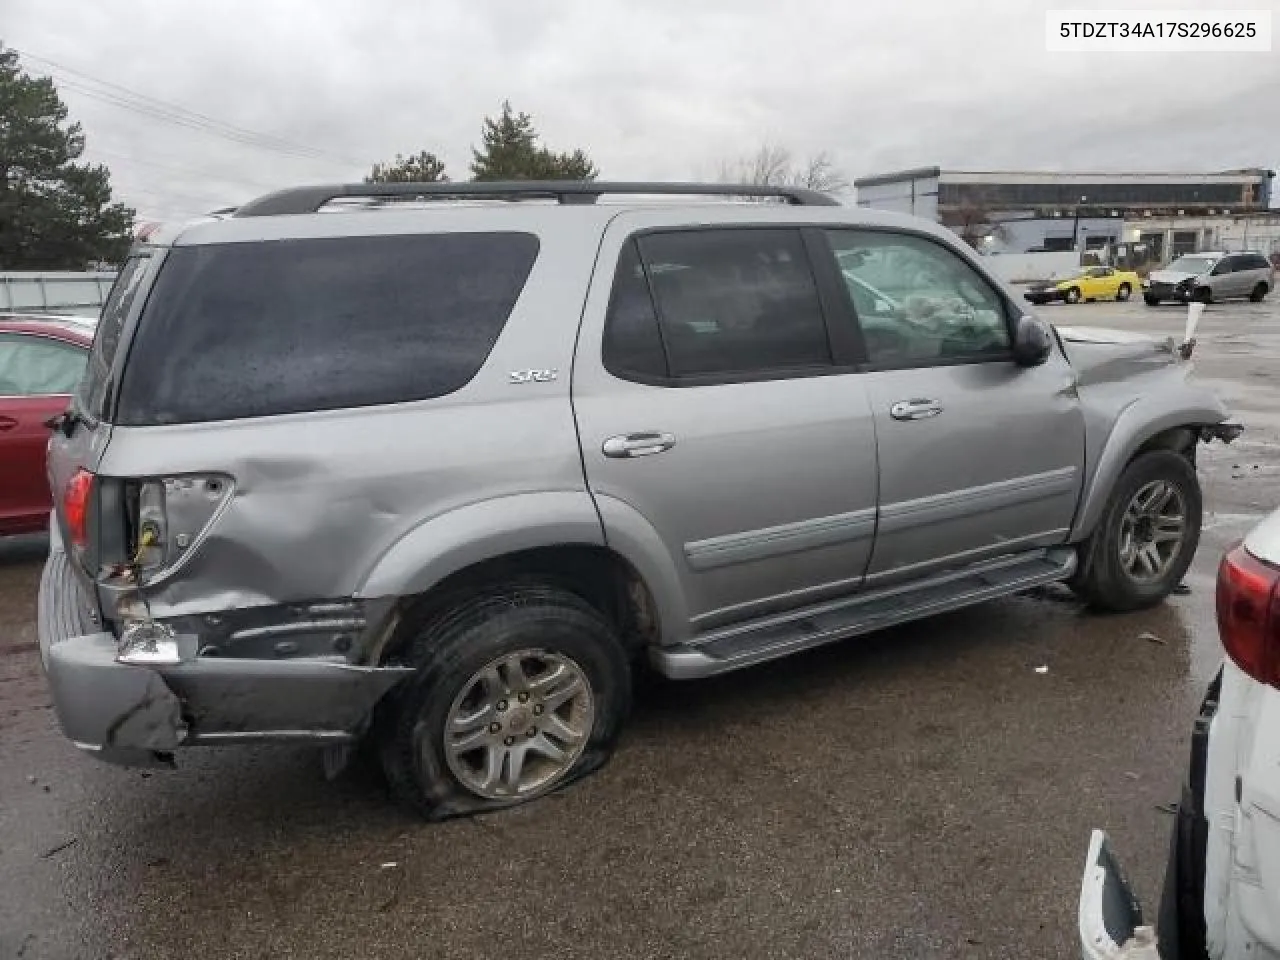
x=256 y=329
x=107 y=335
x=735 y=302
x=1252 y=261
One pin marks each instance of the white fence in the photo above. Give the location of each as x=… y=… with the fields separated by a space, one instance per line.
x=60 y=292
x=1030 y=267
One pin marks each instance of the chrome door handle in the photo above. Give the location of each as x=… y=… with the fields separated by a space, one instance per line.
x=7 y=423
x=638 y=444
x=915 y=409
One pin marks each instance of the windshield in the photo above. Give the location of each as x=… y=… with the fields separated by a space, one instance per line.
x=1194 y=265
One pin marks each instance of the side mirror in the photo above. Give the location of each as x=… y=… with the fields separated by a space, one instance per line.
x=1032 y=341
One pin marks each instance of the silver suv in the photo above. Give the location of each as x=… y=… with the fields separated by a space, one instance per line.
x=438 y=474
x=1211 y=276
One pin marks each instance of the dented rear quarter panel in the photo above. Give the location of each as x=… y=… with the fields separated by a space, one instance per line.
x=356 y=502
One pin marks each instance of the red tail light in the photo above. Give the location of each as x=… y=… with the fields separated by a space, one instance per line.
x=75 y=507
x=1249 y=614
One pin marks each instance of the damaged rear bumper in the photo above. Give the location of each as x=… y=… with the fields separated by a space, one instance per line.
x=138 y=715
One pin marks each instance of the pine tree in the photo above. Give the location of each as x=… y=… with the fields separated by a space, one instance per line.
x=54 y=213
x=425 y=167
x=510 y=151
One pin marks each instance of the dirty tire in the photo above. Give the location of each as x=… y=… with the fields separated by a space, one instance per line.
x=1102 y=581
x=1123 y=293
x=1258 y=293
x=1150 y=300
x=451 y=646
x=1073 y=295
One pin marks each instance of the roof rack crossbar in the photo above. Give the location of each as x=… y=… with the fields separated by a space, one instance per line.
x=311 y=199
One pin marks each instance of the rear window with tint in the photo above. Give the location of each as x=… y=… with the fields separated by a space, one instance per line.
x=93 y=388
x=255 y=329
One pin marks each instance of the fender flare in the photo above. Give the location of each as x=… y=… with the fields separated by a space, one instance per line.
x=468 y=535
x=634 y=538
x=1137 y=423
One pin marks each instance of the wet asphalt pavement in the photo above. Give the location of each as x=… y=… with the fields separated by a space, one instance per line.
x=925 y=792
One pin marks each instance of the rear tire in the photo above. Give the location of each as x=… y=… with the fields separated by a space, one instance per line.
x=1131 y=560
x=427 y=724
x=1150 y=300
x=1123 y=293
x=1258 y=293
x=1203 y=295
x=1073 y=295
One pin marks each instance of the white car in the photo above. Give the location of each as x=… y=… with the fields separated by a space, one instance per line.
x=1222 y=885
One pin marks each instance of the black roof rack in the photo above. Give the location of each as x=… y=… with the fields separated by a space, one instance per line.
x=311 y=199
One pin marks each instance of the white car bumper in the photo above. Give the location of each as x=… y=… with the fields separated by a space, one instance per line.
x=1240 y=800
x=1242 y=805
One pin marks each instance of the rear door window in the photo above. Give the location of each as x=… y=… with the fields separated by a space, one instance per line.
x=257 y=329
x=632 y=346
x=734 y=302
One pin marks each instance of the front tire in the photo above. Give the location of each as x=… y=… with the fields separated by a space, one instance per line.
x=1123 y=293
x=1147 y=535
x=518 y=691
x=1258 y=293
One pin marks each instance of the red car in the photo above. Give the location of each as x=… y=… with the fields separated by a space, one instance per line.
x=41 y=360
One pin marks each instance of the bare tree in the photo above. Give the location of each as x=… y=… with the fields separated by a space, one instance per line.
x=820 y=173
x=773 y=165
x=973 y=222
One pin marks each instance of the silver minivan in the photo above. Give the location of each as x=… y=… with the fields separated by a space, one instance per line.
x=1211 y=276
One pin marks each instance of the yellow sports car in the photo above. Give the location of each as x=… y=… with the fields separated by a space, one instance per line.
x=1091 y=283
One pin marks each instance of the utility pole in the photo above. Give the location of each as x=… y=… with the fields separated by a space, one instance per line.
x=1075 y=227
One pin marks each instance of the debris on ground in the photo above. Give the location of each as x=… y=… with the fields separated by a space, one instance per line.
x=1152 y=638
x=1042 y=669
x=1169 y=808
x=58 y=848
x=1181 y=590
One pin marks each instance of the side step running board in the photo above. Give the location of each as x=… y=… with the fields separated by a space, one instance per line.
x=743 y=645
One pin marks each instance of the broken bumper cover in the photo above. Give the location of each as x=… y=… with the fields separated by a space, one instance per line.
x=1110 y=917
x=137 y=715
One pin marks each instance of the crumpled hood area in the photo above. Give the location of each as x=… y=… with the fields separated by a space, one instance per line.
x=1101 y=355
x=1173 y=277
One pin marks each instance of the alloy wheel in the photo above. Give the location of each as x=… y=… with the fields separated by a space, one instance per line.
x=519 y=724
x=1152 y=531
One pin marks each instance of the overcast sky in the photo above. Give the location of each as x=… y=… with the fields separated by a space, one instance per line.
x=651 y=89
